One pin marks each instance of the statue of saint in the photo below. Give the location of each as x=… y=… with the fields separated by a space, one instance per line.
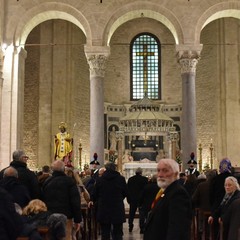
x=63 y=144
x=113 y=140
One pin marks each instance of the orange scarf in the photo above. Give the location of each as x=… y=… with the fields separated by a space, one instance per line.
x=158 y=196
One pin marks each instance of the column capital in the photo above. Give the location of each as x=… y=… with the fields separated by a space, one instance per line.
x=188 y=56
x=173 y=136
x=119 y=135
x=97 y=57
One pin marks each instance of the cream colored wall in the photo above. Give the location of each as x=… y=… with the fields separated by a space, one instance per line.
x=56 y=89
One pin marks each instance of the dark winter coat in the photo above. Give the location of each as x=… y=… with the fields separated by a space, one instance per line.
x=149 y=193
x=217 y=190
x=231 y=223
x=109 y=193
x=10 y=221
x=171 y=217
x=18 y=191
x=60 y=193
x=135 y=186
x=26 y=177
x=223 y=209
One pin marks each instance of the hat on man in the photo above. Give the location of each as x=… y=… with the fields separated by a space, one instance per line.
x=95 y=161
x=192 y=160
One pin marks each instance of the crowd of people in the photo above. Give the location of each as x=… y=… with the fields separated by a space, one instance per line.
x=58 y=196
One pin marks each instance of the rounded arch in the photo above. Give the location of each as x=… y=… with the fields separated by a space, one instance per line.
x=47 y=11
x=221 y=10
x=147 y=10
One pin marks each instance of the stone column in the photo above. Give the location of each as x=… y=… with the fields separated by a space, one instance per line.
x=173 y=136
x=97 y=57
x=188 y=57
x=120 y=137
x=1 y=84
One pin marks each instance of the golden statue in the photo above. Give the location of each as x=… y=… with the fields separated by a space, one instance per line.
x=63 y=144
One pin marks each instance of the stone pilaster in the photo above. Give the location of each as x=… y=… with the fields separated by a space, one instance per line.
x=188 y=57
x=120 y=137
x=97 y=58
x=1 y=66
x=172 y=138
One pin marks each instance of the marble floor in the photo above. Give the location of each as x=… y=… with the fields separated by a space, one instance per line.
x=134 y=235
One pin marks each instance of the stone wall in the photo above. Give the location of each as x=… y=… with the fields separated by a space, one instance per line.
x=57 y=84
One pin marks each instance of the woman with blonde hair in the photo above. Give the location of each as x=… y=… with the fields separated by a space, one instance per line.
x=37 y=214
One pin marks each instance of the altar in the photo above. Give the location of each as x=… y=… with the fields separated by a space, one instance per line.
x=149 y=168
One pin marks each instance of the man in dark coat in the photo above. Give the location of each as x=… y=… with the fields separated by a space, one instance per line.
x=149 y=192
x=135 y=186
x=25 y=176
x=60 y=193
x=109 y=192
x=171 y=213
x=10 y=221
x=18 y=192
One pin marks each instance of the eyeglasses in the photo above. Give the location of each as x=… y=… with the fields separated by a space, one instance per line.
x=26 y=157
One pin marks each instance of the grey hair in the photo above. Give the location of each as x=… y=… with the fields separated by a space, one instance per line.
x=10 y=172
x=17 y=154
x=234 y=180
x=172 y=164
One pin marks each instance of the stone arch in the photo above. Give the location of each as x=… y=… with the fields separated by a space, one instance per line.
x=221 y=10
x=47 y=11
x=148 y=10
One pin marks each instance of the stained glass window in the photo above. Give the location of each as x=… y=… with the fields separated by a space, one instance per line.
x=145 y=70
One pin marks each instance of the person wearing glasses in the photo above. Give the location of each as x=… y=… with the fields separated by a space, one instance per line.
x=25 y=175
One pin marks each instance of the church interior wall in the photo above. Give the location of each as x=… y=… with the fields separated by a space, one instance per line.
x=117 y=86
x=217 y=90
x=118 y=71
x=58 y=77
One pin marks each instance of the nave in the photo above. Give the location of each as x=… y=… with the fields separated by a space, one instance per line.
x=134 y=235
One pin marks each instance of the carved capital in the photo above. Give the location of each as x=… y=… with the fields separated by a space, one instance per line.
x=119 y=135
x=97 y=64
x=188 y=65
x=97 y=57
x=188 y=56
x=173 y=136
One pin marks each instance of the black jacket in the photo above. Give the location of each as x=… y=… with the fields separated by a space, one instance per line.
x=60 y=193
x=10 y=221
x=109 y=193
x=18 y=191
x=135 y=186
x=26 y=177
x=171 y=217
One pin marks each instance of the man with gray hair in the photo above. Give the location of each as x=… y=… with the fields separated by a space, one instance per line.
x=171 y=211
x=135 y=186
x=25 y=175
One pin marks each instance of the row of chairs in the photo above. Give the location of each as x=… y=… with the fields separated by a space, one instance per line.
x=201 y=230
